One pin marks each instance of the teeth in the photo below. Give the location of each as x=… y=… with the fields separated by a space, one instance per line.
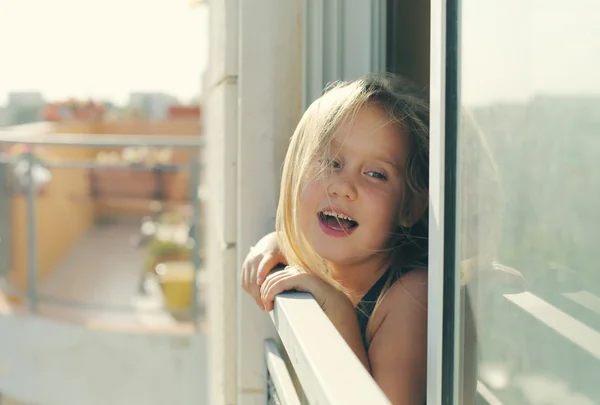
x=338 y=215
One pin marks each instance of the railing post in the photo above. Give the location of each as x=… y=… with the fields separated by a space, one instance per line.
x=195 y=198
x=31 y=237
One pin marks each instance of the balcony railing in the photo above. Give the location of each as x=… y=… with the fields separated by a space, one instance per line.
x=327 y=370
x=315 y=368
x=94 y=168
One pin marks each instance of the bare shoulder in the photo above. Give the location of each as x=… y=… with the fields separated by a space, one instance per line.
x=410 y=291
x=408 y=295
x=398 y=340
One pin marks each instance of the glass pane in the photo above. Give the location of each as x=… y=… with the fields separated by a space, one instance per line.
x=528 y=216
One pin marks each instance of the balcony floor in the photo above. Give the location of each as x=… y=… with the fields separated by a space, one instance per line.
x=103 y=273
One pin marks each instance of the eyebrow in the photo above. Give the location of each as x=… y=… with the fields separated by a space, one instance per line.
x=389 y=162
x=335 y=144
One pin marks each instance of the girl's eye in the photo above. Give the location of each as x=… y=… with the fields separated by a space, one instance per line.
x=333 y=164
x=377 y=175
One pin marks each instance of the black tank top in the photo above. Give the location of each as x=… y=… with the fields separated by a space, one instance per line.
x=365 y=307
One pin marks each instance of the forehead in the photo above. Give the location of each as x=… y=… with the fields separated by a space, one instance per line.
x=371 y=132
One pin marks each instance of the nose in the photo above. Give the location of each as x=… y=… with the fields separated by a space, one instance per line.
x=341 y=186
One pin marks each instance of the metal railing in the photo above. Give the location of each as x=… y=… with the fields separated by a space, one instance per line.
x=326 y=368
x=8 y=138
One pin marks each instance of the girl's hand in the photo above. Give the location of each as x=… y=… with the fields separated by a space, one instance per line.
x=296 y=278
x=336 y=305
x=259 y=262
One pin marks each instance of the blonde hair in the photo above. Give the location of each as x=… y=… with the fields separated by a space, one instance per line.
x=408 y=108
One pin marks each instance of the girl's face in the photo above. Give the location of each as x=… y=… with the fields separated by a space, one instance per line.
x=348 y=212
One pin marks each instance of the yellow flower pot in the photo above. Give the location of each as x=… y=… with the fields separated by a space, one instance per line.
x=176 y=280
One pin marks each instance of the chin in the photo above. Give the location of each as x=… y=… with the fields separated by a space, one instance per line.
x=338 y=256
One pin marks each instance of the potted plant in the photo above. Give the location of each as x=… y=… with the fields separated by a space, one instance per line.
x=176 y=281
x=171 y=262
x=160 y=251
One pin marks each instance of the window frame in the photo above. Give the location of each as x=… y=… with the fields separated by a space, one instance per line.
x=443 y=348
x=326 y=52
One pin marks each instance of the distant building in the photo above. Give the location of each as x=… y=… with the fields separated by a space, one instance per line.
x=178 y=112
x=25 y=99
x=3 y=116
x=152 y=106
x=73 y=110
x=24 y=108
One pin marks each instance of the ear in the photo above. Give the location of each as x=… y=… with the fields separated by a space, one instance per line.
x=415 y=210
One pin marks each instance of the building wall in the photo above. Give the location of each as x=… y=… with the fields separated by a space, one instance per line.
x=65 y=211
x=253 y=101
x=220 y=115
x=177 y=185
x=153 y=106
x=63 y=216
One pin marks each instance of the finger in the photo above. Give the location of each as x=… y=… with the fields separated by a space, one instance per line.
x=254 y=269
x=266 y=265
x=244 y=276
x=267 y=288
x=289 y=279
x=271 y=279
x=253 y=287
x=247 y=279
x=247 y=267
x=282 y=284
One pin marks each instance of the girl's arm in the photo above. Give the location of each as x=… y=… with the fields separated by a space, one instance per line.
x=335 y=304
x=398 y=348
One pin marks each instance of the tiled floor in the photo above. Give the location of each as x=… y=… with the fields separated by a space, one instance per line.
x=103 y=275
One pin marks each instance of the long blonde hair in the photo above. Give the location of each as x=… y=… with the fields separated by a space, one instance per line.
x=408 y=108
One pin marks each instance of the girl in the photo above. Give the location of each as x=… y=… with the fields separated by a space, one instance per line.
x=351 y=224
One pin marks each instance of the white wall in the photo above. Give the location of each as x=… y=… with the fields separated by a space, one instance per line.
x=220 y=102
x=253 y=103
x=270 y=106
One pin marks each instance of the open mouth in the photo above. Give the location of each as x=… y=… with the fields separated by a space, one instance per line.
x=337 y=224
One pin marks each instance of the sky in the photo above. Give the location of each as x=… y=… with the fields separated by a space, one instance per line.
x=103 y=49
x=514 y=50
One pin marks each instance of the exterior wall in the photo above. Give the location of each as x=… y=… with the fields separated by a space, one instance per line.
x=61 y=218
x=220 y=115
x=252 y=105
x=176 y=184
x=270 y=103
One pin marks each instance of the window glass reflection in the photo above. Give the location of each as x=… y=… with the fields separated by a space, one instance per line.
x=528 y=216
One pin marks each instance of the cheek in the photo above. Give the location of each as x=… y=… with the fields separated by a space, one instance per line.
x=386 y=204
x=310 y=200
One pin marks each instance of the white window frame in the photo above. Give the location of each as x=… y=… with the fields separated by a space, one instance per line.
x=330 y=50
x=435 y=325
